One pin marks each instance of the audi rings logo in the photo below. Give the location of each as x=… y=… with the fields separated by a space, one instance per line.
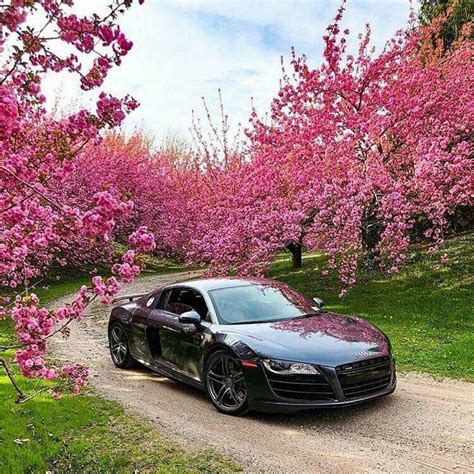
x=367 y=353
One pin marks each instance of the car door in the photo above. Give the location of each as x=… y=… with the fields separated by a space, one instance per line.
x=181 y=345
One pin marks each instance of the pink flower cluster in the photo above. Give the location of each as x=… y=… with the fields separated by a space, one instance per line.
x=142 y=240
x=101 y=219
x=105 y=289
x=76 y=376
x=39 y=223
x=112 y=111
x=8 y=113
x=12 y=17
x=128 y=269
x=358 y=151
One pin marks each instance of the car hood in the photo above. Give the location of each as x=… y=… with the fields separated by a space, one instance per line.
x=326 y=339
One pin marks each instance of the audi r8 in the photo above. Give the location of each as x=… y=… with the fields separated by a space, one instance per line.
x=252 y=344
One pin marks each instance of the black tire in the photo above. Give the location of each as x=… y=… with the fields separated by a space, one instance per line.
x=225 y=383
x=119 y=347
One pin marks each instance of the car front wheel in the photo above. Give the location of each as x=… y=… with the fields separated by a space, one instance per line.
x=225 y=383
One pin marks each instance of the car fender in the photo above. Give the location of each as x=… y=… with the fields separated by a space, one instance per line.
x=123 y=315
x=230 y=341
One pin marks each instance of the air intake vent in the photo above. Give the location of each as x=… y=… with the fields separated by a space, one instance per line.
x=365 y=377
x=301 y=387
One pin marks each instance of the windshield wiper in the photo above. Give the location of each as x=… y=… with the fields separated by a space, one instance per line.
x=257 y=321
x=260 y=321
x=309 y=315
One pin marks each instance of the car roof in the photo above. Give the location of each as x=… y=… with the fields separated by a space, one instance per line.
x=209 y=284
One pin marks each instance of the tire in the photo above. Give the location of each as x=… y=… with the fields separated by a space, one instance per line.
x=119 y=347
x=225 y=383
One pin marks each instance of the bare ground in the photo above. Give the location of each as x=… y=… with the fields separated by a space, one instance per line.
x=425 y=426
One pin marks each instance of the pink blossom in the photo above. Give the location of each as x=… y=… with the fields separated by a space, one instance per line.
x=41 y=223
x=142 y=240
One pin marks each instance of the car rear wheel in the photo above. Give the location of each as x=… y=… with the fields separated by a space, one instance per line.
x=225 y=383
x=119 y=348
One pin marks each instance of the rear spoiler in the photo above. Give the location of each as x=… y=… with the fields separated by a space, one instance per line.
x=128 y=297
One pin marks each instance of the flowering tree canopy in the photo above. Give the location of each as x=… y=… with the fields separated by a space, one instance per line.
x=134 y=169
x=358 y=151
x=37 y=152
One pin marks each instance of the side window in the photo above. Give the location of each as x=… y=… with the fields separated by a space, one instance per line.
x=176 y=302
x=180 y=300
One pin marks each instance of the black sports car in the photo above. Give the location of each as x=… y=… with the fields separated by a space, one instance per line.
x=252 y=344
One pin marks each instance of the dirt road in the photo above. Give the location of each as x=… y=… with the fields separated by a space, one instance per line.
x=425 y=426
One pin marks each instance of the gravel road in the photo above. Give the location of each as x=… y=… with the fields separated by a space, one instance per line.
x=425 y=426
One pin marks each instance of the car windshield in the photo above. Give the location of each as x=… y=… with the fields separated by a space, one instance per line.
x=259 y=303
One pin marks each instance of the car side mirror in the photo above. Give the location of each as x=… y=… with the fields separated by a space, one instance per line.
x=190 y=317
x=319 y=302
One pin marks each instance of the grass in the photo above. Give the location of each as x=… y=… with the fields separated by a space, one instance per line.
x=426 y=312
x=84 y=433
x=88 y=434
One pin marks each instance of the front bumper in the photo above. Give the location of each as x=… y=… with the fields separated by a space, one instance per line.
x=262 y=396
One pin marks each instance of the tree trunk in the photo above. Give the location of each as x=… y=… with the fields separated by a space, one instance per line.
x=371 y=232
x=296 y=254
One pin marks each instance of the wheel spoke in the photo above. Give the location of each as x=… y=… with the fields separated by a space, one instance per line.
x=225 y=367
x=235 y=396
x=116 y=334
x=238 y=378
x=222 y=393
x=118 y=353
x=216 y=377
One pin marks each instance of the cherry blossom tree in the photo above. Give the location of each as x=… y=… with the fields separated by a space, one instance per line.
x=358 y=152
x=37 y=151
x=147 y=175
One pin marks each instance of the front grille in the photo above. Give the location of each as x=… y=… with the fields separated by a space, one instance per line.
x=301 y=387
x=365 y=377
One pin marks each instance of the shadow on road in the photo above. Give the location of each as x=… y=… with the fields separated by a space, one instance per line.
x=175 y=385
x=328 y=417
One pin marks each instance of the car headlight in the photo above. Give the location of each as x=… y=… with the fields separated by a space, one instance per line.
x=289 y=368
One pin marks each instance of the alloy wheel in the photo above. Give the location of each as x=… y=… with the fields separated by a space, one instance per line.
x=226 y=384
x=118 y=345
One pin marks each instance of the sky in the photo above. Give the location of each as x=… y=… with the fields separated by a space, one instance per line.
x=188 y=49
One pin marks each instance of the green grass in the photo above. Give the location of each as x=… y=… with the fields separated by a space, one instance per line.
x=87 y=434
x=84 y=433
x=426 y=312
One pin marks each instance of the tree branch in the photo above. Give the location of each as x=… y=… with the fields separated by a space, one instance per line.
x=25 y=399
x=22 y=181
x=21 y=394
